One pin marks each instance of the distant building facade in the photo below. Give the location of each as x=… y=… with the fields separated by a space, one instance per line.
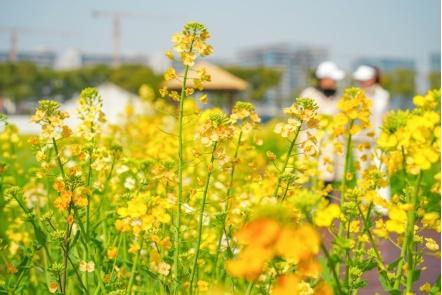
x=43 y=58
x=296 y=64
x=74 y=58
x=386 y=64
x=435 y=62
x=94 y=59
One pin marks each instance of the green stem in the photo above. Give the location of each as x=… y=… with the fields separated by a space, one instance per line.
x=180 y=181
x=346 y=164
x=134 y=268
x=57 y=155
x=78 y=275
x=286 y=190
x=411 y=218
x=115 y=259
x=19 y=279
x=201 y=216
x=226 y=207
x=176 y=269
x=89 y=179
x=344 y=186
x=410 y=234
x=66 y=249
x=329 y=259
x=370 y=236
x=250 y=287
x=288 y=157
x=332 y=268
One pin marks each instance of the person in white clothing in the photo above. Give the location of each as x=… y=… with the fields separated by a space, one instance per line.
x=326 y=97
x=369 y=80
x=325 y=92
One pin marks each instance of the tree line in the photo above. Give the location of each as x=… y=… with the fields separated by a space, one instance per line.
x=26 y=81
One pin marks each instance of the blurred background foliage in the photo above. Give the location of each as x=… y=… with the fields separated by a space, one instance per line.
x=260 y=79
x=25 y=81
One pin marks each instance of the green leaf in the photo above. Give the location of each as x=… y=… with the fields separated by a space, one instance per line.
x=368 y=264
x=416 y=274
x=359 y=284
x=436 y=287
x=394 y=264
x=75 y=239
x=40 y=235
x=384 y=280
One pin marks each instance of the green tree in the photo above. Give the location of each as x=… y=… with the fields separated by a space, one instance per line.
x=434 y=80
x=25 y=81
x=19 y=80
x=64 y=84
x=131 y=77
x=400 y=82
x=260 y=79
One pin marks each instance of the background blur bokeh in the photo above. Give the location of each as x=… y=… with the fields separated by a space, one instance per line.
x=55 y=48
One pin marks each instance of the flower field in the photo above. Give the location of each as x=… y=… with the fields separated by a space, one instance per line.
x=192 y=201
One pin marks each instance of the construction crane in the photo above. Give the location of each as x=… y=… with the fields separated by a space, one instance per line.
x=14 y=32
x=117 y=17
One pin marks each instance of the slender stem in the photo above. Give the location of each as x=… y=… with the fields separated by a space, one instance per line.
x=370 y=236
x=180 y=180
x=57 y=155
x=250 y=287
x=347 y=163
x=78 y=275
x=332 y=268
x=20 y=277
x=176 y=269
x=288 y=157
x=134 y=268
x=347 y=263
x=89 y=179
x=329 y=259
x=411 y=218
x=115 y=259
x=344 y=187
x=403 y=249
x=286 y=190
x=201 y=216
x=410 y=234
x=66 y=249
x=226 y=207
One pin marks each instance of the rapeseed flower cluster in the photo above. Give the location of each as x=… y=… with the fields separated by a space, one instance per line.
x=266 y=239
x=183 y=200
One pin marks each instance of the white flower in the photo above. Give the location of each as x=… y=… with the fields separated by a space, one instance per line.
x=164 y=268
x=87 y=266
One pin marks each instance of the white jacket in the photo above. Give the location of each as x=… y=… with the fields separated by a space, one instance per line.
x=380 y=104
x=326 y=106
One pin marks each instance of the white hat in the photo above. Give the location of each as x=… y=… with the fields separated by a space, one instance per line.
x=329 y=69
x=364 y=73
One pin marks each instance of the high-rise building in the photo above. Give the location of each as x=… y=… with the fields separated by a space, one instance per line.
x=295 y=63
x=306 y=60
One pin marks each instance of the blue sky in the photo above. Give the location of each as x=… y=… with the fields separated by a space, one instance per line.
x=351 y=28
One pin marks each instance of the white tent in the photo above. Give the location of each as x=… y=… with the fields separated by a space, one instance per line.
x=115 y=101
